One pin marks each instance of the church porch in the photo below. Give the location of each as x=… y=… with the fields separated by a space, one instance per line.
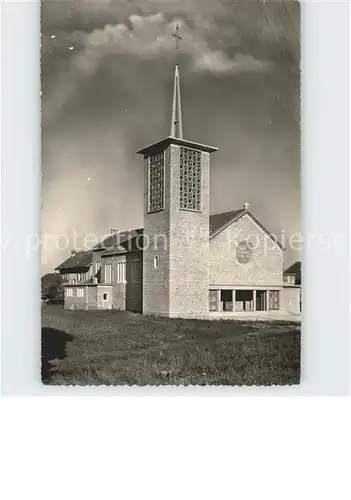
x=243 y=300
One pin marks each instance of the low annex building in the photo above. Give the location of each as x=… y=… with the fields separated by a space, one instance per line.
x=109 y=276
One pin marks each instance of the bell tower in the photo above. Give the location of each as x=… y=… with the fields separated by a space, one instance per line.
x=176 y=222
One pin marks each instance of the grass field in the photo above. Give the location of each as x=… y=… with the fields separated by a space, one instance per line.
x=114 y=348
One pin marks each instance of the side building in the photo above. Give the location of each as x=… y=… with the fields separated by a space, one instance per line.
x=292 y=288
x=77 y=268
x=106 y=277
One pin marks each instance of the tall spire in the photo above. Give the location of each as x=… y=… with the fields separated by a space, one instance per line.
x=176 y=125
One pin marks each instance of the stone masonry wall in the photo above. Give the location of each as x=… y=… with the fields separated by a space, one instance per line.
x=189 y=245
x=290 y=299
x=156 y=281
x=101 y=291
x=119 y=289
x=88 y=301
x=179 y=286
x=265 y=268
x=74 y=302
x=92 y=297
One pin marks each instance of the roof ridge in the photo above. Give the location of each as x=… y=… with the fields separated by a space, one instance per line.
x=228 y=211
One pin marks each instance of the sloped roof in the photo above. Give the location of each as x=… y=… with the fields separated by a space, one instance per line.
x=295 y=268
x=117 y=239
x=126 y=242
x=164 y=143
x=217 y=221
x=81 y=260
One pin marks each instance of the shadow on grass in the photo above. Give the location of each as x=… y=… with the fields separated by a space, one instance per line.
x=53 y=346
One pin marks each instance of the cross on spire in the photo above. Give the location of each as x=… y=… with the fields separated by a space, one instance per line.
x=246 y=205
x=177 y=37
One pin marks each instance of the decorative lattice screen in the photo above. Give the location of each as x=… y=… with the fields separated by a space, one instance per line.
x=156 y=182
x=190 y=179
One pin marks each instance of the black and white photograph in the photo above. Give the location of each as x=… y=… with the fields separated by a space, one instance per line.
x=171 y=240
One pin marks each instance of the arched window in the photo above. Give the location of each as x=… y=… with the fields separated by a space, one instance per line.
x=156 y=262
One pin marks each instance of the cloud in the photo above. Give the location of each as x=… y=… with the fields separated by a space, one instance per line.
x=151 y=37
x=145 y=37
x=83 y=14
x=218 y=62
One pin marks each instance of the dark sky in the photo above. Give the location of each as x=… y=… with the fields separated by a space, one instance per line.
x=107 y=75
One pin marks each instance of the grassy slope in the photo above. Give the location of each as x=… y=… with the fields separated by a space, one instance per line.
x=112 y=347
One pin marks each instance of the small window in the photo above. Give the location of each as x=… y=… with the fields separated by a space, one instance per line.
x=108 y=273
x=121 y=272
x=156 y=262
x=289 y=279
x=105 y=296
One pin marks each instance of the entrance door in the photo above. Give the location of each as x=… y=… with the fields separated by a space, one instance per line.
x=133 y=287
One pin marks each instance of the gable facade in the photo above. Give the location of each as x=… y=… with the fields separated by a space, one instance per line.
x=243 y=254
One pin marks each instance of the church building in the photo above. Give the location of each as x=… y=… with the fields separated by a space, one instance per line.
x=184 y=262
